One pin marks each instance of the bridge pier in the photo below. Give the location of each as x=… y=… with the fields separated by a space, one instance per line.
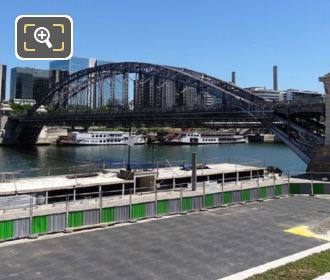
x=321 y=159
x=320 y=162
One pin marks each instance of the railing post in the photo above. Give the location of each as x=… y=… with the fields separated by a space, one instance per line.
x=203 y=204
x=312 y=185
x=67 y=211
x=193 y=171
x=31 y=215
x=288 y=174
x=258 y=183
x=156 y=200
x=130 y=204
x=263 y=175
x=242 y=193
x=100 y=202
x=258 y=191
x=181 y=200
x=222 y=189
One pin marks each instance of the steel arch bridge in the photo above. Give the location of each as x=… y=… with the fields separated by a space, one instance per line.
x=167 y=94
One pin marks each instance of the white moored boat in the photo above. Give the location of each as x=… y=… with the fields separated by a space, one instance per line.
x=102 y=138
x=208 y=138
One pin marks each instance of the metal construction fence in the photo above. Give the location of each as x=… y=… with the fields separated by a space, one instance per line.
x=101 y=209
x=82 y=210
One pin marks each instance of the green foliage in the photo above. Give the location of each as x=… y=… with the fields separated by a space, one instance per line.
x=305 y=269
x=20 y=109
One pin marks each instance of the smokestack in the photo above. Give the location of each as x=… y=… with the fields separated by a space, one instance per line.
x=275 y=82
x=233 y=77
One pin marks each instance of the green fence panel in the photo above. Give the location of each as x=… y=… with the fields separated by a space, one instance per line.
x=76 y=219
x=138 y=211
x=318 y=188
x=6 y=230
x=227 y=197
x=40 y=224
x=278 y=190
x=208 y=201
x=245 y=195
x=108 y=215
x=186 y=204
x=263 y=192
x=162 y=207
x=294 y=188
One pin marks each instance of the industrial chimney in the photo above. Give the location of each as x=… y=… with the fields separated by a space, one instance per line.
x=233 y=77
x=275 y=82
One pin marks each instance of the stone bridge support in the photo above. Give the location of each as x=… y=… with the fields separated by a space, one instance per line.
x=321 y=159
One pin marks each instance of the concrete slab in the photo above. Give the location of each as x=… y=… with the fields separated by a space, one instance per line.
x=207 y=245
x=40 y=184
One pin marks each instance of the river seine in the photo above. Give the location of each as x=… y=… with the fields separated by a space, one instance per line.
x=44 y=160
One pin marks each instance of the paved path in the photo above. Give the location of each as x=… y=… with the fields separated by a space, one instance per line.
x=323 y=277
x=207 y=245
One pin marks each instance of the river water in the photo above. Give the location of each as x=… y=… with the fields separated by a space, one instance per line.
x=44 y=160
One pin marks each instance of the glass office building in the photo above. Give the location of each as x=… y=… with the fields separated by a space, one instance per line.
x=29 y=83
x=112 y=88
x=3 y=75
x=59 y=70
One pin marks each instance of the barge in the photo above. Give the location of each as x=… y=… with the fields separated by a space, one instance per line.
x=101 y=138
x=206 y=138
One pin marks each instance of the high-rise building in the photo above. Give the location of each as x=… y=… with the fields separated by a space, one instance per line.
x=3 y=76
x=114 y=89
x=59 y=70
x=153 y=92
x=168 y=94
x=190 y=97
x=29 y=83
x=144 y=90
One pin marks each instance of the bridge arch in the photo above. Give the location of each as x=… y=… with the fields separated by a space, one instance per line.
x=79 y=81
x=301 y=140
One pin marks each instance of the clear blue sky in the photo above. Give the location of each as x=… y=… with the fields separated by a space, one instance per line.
x=213 y=36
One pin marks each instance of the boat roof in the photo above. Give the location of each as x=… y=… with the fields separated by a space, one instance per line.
x=112 y=131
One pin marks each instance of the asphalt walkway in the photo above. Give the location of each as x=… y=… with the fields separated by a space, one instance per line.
x=206 y=245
